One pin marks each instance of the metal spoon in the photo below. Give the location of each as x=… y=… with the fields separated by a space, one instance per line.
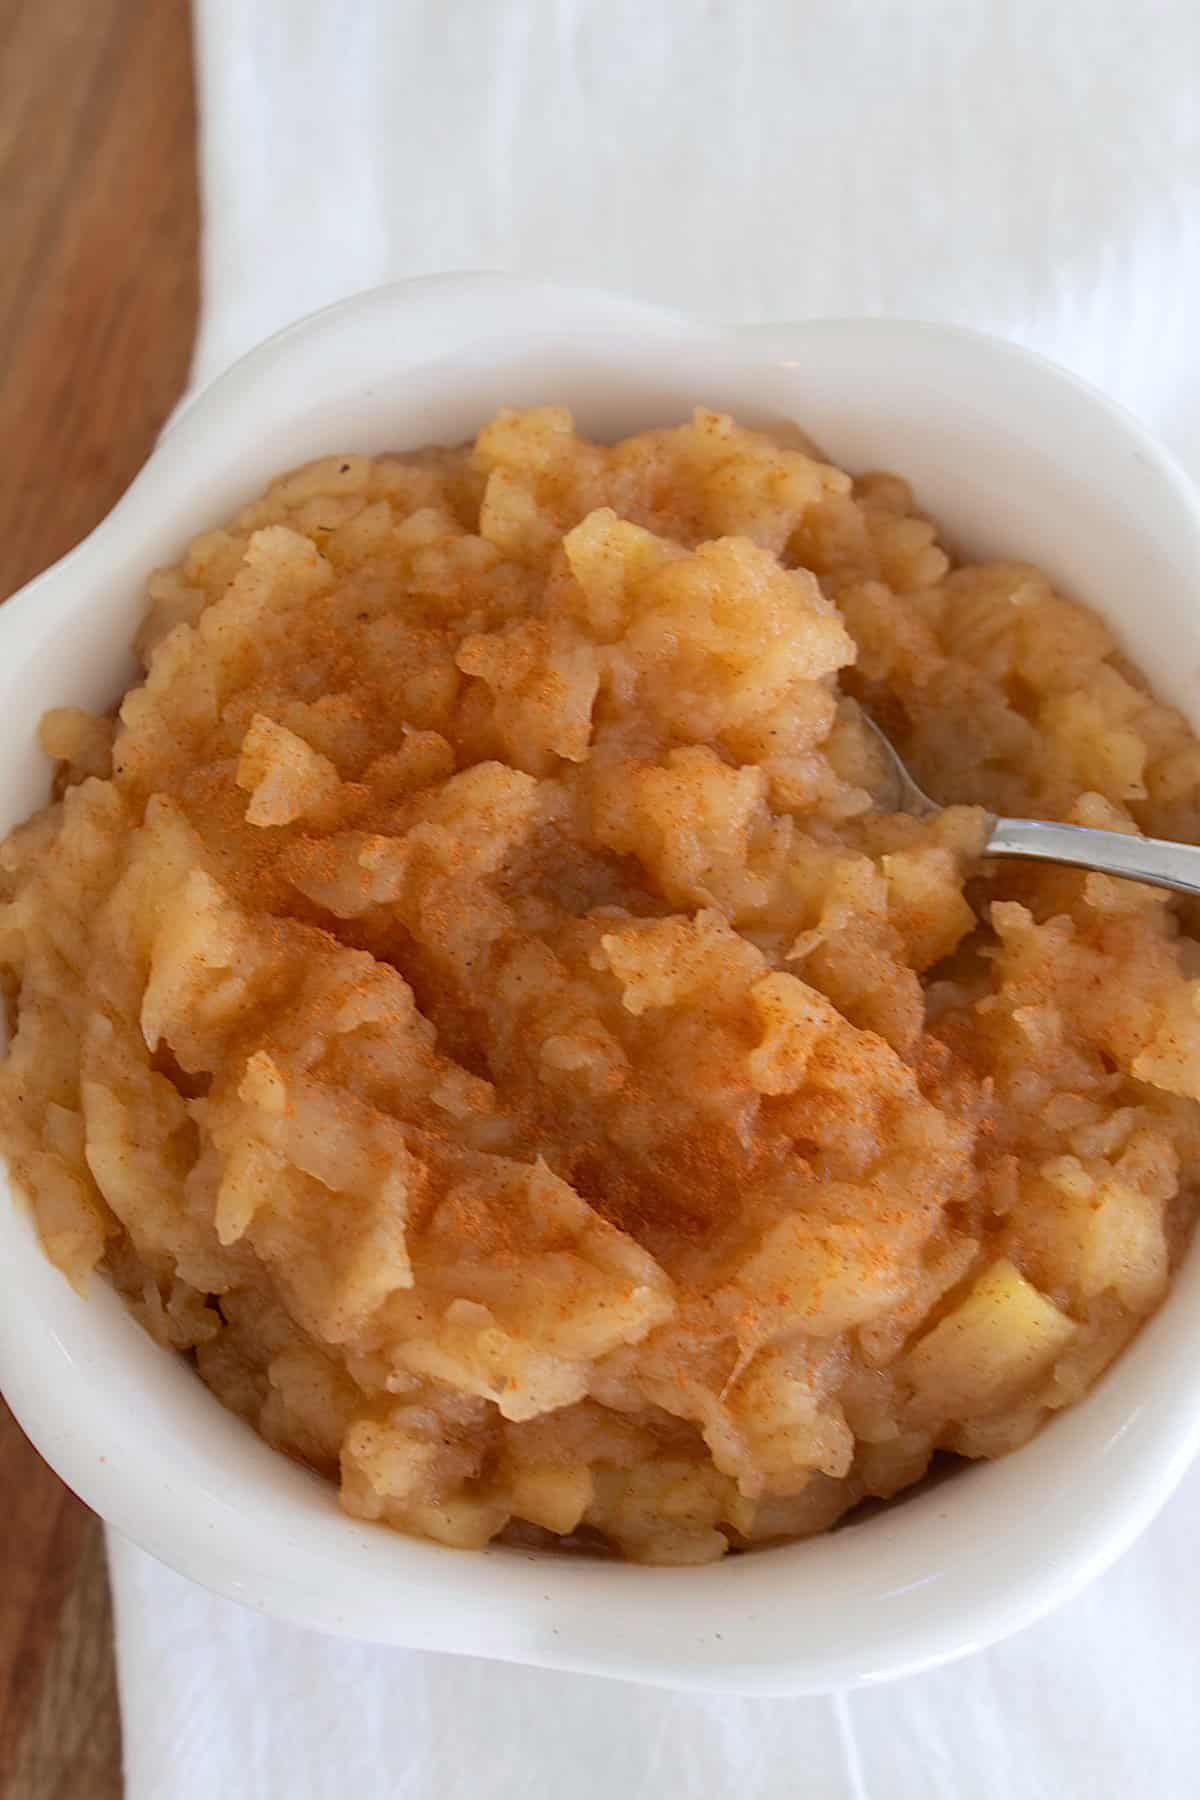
x=1155 y=860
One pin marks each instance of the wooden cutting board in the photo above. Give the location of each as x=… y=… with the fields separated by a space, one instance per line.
x=97 y=309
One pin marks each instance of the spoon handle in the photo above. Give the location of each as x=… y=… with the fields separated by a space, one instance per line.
x=1155 y=860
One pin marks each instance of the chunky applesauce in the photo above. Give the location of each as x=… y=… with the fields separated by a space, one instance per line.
x=471 y=1000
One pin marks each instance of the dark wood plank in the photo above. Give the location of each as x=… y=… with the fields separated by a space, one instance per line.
x=70 y=1744
x=46 y=1532
x=97 y=189
x=98 y=219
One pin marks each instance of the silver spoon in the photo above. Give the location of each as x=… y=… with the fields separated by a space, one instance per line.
x=1155 y=860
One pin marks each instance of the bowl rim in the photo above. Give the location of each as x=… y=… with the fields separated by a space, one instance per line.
x=243 y=1558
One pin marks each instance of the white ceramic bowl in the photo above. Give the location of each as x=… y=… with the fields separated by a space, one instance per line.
x=1016 y=458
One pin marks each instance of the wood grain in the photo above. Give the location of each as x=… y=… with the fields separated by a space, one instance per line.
x=98 y=220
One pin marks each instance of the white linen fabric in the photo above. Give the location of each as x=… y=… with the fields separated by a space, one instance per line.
x=1030 y=169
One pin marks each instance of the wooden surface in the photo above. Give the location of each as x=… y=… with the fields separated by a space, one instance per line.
x=97 y=309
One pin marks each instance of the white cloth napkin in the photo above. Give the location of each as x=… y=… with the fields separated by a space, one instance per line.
x=1031 y=169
